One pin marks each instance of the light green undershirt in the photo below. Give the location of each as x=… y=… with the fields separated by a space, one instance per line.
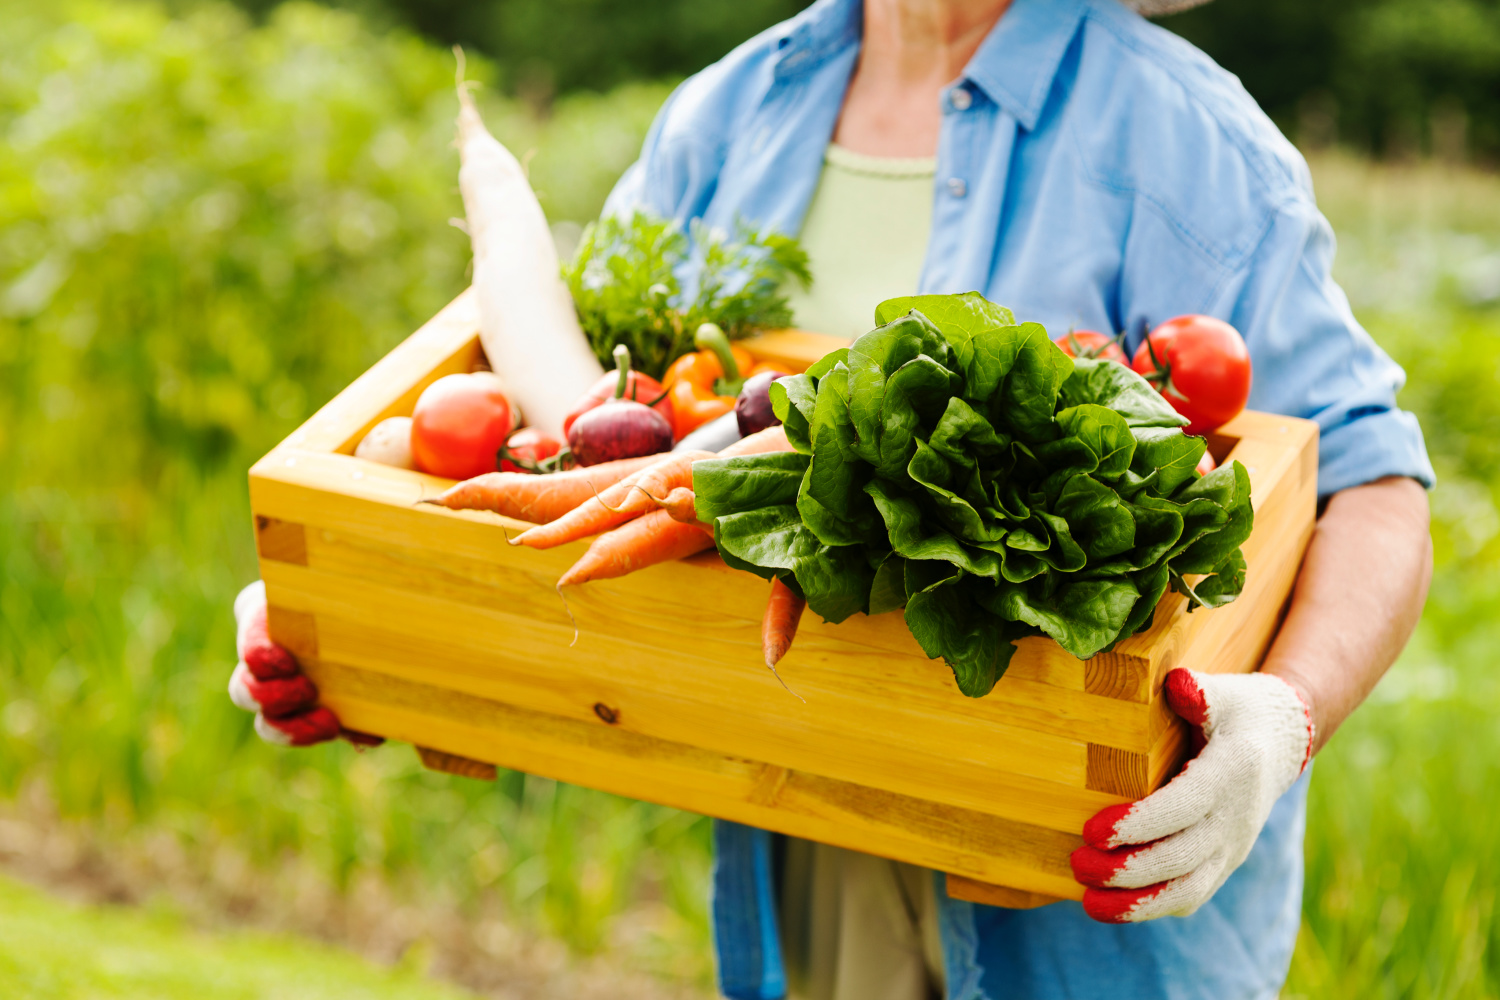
x=866 y=238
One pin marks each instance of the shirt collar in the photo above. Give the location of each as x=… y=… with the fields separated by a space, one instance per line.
x=1018 y=61
x=824 y=29
x=1014 y=66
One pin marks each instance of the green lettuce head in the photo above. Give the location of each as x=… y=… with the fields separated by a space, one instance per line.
x=959 y=465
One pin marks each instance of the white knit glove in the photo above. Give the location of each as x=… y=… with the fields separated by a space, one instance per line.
x=268 y=682
x=1170 y=852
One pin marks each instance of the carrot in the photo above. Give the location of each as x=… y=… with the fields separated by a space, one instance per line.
x=649 y=539
x=681 y=504
x=626 y=499
x=779 y=626
x=770 y=439
x=537 y=499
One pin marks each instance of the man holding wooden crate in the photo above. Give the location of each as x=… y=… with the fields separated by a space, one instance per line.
x=1087 y=169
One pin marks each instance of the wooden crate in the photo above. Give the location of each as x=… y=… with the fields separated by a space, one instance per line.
x=422 y=625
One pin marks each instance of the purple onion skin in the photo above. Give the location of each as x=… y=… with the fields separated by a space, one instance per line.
x=753 y=408
x=618 y=429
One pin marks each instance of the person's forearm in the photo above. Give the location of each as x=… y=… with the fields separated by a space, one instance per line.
x=1357 y=599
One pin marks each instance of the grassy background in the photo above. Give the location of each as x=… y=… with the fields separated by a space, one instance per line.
x=207 y=228
x=53 y=950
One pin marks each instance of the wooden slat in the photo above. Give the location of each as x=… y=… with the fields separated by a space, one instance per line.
x=714 y=617
x=793 y=350
x=614 y=759
x=452 y=763
x=980 y=767
x=990 y=894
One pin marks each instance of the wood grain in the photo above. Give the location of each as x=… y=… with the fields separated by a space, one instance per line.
x=1119 y=772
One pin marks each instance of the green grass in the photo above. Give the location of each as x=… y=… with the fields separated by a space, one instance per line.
x=1403 y=847
x=51 y=950
x=208 y=228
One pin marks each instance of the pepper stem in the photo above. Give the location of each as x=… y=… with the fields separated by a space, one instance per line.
x=622 y=365
x=710 y=338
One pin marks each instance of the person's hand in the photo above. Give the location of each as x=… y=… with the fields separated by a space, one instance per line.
x=1171 y=851
x=268 y=682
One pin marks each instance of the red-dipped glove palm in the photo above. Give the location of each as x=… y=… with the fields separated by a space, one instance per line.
x=1170 y=852
x=268 y=682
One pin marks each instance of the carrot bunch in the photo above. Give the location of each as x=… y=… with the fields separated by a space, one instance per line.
x=640 y=510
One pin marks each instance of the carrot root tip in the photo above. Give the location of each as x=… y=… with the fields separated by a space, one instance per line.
x=775 y=673
x=574 y=621
x=612 y=510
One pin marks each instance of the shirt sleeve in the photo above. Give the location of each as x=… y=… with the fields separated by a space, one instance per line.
x=1312 y=359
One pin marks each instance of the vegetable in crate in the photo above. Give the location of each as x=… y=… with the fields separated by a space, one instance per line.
x=529 y=450
x=459 y=425
x=705 y=384
x=389 y=443
x=625 y=283
x=1201 y=365
x=1092 y=344
x=526 y=321
x=621 y=427
x=753 y=410
x=959 y=465
x=639 y=386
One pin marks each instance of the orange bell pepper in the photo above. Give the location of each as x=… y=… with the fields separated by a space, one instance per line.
x=694 y=381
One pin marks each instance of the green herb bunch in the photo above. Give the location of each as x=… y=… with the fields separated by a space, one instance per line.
x=958 y=464
x=626 y=284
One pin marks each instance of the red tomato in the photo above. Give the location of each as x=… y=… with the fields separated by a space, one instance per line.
x=1206 y=464
x=1204 y=369
x=1091 y=344
x=641 y=388
x=529 y=445
x=459 y=424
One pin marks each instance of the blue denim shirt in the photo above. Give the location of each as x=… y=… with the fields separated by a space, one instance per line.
x=1092 y=171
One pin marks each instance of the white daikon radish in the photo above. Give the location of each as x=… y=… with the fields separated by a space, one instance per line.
x=526 y=319
x=389 y=443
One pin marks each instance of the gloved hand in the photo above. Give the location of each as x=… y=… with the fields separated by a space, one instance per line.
x=1171 y=851
x=268 y=682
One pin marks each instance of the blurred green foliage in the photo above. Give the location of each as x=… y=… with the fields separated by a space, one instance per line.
x=1399 y=77
x=207 y=228
x=547 y=47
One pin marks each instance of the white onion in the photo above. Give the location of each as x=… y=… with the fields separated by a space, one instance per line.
x=389 y=443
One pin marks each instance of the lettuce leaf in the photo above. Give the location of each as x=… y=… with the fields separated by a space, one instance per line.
x=957 y=464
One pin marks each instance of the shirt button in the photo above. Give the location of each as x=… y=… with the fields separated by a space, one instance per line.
x=956 y=187
x=960 y=98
